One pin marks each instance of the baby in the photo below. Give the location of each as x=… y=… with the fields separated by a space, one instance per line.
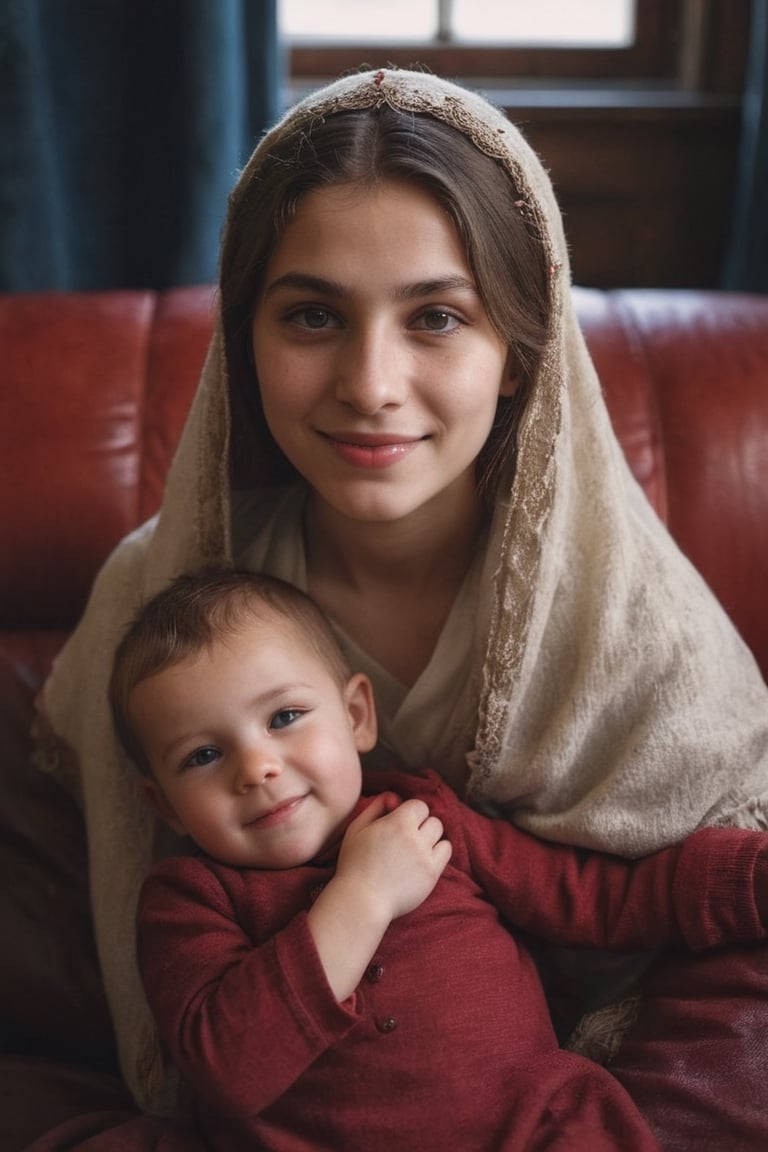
x=339 y=962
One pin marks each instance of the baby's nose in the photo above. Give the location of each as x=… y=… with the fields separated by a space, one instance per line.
x=254 y=767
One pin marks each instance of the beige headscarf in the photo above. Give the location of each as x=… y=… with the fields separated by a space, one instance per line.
x=619 y=708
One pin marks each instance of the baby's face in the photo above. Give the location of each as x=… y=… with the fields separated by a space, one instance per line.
x=255 y=747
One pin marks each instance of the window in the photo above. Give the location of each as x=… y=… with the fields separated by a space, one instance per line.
x=562 y=23
x=634 y=106
x=516 y=41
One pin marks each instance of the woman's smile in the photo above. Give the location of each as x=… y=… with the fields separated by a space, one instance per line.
x=381 y=389
x=372 y=451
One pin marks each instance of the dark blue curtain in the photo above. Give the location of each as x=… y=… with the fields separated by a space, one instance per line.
x=122 y=126
x=746 y=267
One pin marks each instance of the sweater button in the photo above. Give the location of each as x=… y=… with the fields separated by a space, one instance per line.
x=386 y=1023
x=374 y=971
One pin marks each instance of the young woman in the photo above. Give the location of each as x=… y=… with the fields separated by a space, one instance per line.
x=398 y=414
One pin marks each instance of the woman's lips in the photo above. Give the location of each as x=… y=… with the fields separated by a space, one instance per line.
x=372 y=452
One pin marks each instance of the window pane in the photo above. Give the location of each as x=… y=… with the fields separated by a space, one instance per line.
x=349 y=20
x=552 y=23
x=555 y=23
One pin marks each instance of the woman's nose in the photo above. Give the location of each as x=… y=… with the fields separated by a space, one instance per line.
x=254 y=767
x=371 y=372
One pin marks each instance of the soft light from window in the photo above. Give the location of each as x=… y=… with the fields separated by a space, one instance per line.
x=604 y=23
x=550 y=23
x=349 y=20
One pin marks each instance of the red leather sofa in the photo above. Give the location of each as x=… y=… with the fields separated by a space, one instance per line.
x=94 y=392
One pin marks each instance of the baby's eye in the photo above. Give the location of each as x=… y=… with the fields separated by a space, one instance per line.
x=284 y=717
x=201 y=757
x=438 y=320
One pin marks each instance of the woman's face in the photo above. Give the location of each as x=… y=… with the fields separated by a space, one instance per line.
x=378 y=367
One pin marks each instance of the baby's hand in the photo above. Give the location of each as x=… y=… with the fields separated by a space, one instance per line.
x=394 y=853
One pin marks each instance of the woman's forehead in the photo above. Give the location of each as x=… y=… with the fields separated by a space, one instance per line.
x=389 y=232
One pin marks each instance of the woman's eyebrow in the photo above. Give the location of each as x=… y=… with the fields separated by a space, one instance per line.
x=434 y=286
x=307 y=283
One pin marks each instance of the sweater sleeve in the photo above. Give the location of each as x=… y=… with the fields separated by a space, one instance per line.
x=709 y=890
x=242 y=1021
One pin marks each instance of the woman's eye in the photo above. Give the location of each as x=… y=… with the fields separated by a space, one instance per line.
x=314 y=318
x=201 y=758
x=284 y=717
x=439 y=320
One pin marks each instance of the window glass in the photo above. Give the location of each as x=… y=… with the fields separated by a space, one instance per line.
x=550 y=23
x=344 y=21
x=554 y=23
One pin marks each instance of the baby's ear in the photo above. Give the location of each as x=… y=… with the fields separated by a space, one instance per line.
x=361 y=707
x=155 y=797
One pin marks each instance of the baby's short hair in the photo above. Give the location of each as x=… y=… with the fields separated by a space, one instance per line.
x=190 y=614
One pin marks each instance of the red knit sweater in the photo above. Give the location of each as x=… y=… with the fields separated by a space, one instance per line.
x=447 y=1043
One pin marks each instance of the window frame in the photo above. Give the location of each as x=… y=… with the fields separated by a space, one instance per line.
x=651 y=55
x=688 y=44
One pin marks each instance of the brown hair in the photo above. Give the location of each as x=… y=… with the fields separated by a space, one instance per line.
x=194 y=611
x=503 y=250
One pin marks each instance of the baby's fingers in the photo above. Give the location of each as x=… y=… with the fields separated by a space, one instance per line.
x=379 y=806
x=442 y=853
x=431 y=833
x=432 y=829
